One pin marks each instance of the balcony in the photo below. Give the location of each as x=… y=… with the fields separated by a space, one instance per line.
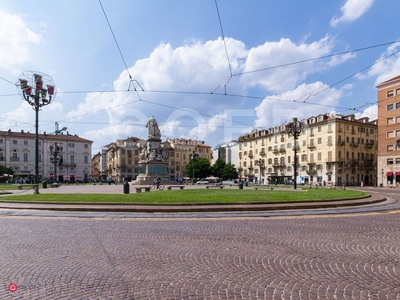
x=262 y=153
x=311 y=146
x=340 y=143
x=369 y=145
x=311 y=172
x=250 y=155
x=275 y=151
x=353 y=144
x=14 y=158
x=282 y=150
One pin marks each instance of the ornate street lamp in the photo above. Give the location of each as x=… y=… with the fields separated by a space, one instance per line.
x=56 y=152
x=32 y=90
x=294 y=129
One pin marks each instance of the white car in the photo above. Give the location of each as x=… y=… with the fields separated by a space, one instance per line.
x=202 y=182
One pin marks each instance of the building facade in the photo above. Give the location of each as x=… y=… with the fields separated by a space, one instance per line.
x=331 y=150
x=119 y=161
x=228 y=152
x=389 y=132
x=181 y=151
x=17 y=151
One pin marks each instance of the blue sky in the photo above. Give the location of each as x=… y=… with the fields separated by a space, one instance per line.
x=209 y=69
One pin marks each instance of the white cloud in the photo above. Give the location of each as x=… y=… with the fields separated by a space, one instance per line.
x=202 y=67
x=280 y=53
x=385 y=68
x=352 y=10
x=15 y=40
x=371 y=112
x=276 y=112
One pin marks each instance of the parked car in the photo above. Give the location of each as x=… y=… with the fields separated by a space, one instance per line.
x=202 y=182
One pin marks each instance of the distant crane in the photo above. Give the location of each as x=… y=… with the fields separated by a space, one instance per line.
x=58 y=131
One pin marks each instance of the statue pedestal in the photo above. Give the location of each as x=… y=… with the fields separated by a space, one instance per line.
x=149 y=170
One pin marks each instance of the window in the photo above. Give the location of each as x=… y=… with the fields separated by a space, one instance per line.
x=319 y=141
x=390 y=93
x=71 y=145
x=25 y=156
x=15 y=142
x=85 y=146
x=389 y=134
x=319 y=155
x=389 y=107
x=25 y=142
x=397 y=105
x=1 y=141
x=85 y=159
x=389 y=148
x=397 y=161
x=72 y=159
x=390 y=161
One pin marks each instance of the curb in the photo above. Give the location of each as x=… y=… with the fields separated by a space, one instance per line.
x=191 y=207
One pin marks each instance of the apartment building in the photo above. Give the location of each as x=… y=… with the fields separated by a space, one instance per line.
x=119 y=161
x=17 y=151
x=388 y=168
x=181 y=151
x=331 y=150
x=227 y=152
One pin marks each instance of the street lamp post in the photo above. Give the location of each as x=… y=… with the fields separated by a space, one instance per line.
x=382 y=178
x=294 y=129
x=31 y=88
x=56 y=152
x=192 y=158
x=260 y=165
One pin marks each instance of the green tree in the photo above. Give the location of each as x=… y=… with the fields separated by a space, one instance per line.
x=201 y=168
x=230 y=172
x=4 y=171
x=218 y=168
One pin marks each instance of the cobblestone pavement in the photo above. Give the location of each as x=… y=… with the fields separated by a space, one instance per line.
x=301 y=257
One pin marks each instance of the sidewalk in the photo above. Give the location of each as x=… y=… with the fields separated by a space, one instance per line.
x=172 y=208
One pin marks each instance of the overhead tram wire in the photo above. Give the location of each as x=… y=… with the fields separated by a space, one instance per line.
x=354 y=74
x=131 y=80
x=316 y=58
x=223 y=38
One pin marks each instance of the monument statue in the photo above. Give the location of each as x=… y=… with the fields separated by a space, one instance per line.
x=153 y=159
x=153 y=132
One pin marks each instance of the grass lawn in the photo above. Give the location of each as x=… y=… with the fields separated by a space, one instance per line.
x=195 y=196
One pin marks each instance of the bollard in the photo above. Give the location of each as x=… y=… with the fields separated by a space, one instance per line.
x=126 y=188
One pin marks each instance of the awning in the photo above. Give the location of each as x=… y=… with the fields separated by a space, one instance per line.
x=78 y=176
x=397 y=173
x=389 y=174
x=67 y=176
